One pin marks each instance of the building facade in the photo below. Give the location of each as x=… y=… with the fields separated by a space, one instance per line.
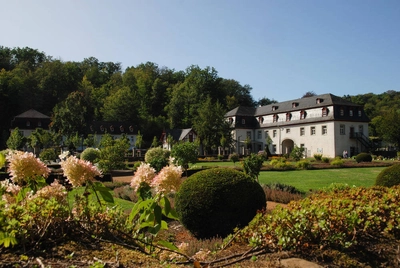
x=29 y=121
x=323 y=124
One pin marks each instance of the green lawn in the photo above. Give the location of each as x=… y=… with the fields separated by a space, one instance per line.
x=305 y=180
x=125 y=204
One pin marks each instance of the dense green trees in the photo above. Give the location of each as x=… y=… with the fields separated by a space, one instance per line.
x=152 y=97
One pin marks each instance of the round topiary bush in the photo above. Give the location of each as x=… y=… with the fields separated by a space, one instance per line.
x=157 y=158
x=213 y=202
x=389 y=177
x=90 y=154
x=364 y=157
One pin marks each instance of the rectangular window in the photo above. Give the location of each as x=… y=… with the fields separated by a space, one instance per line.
x=274 y=148
x=243 y=121
x=266 y=134
x=342 y=130
x=302 y=132
x=288 y=130
x=274 y=133
x=259 y=135
x=312 y=130
x=301 y=145
x=341 y=111
x=361 y=129
x=324 y=130
x=359 y=113
x=351 y=112
x=248 y=134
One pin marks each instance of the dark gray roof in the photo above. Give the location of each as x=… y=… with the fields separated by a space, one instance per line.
x=32 y=114
x=302 y=104
x=241 y=110
x=178 y=134
x=288 y=106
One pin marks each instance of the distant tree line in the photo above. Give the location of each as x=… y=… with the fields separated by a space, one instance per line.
x=153 y=97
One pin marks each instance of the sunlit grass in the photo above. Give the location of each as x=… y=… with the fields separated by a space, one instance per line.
x=306 y=180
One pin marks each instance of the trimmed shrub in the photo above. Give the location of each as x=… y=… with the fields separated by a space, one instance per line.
x=48 y=154
x=282 y=187
x=363 y=157
x=318 y=157
x=389 y=177
x=157 y=158
x=325 y=159
x=214 y=202
x=337 y=162
x=90 y=154
x=303 y=164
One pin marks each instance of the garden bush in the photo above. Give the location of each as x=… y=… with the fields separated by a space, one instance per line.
x=303 y=164
x=214 y=202
x=157 y=158
x=234 y=157
x=325 y=159
x=389 y=177
x=363 y=157
x=90 y=154
x=337 y=162
x=48 y=154
x=318 y=157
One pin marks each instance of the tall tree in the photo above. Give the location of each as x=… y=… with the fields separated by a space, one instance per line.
x=236 y=94
x=388 y=127
x=210 y=125
x=70 y=115
x=16 y=140
x=118 y=107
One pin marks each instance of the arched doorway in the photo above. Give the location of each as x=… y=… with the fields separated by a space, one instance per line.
x=287 y=146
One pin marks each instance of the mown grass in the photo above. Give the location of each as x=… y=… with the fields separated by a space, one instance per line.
x=125 y=204
x=306 y=180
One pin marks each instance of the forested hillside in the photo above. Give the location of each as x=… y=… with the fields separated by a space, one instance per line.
x=151 y=96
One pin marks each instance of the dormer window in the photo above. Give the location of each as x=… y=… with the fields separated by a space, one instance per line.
x=319 y=100
x=359 y=113
x=39 y=123
x=351 y=112
x=303 y=114
x=275 y=118
x=274 y=108
x=243 y=121
x=288 y=116
x=325 y=111
x=341 y=111
x=260 y=119
x=28 y=123
x=295 y=104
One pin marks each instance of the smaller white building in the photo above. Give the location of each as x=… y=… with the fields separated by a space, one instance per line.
x=323 y=124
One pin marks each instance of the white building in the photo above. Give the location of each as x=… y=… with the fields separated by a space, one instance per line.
x=323 y=124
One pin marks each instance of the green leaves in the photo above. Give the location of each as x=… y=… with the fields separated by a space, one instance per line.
x=7 y=240
x=103 y=191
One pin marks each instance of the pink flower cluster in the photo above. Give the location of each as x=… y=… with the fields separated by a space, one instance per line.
x=144 y=173
x=79 y=171
x=166 y=181
x=55 y=190
x=11 y=191
x=24 y=166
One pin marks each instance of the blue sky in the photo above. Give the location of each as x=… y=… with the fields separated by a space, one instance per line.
x=281 y=48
